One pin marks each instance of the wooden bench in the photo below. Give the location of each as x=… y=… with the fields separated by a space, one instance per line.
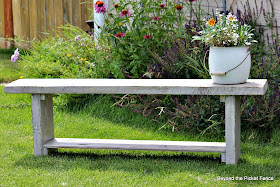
x=42 y=91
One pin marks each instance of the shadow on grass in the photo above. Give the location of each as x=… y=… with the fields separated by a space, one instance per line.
x=147 y=164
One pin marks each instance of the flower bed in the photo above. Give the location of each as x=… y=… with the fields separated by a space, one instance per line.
x=155 y=42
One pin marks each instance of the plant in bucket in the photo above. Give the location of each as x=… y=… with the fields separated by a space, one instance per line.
x=229 y=55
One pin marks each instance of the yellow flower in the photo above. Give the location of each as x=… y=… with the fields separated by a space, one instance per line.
x=109 y=34
x=120 y=24
x=68 y=55
x=211 y=22
x=21 y=77
x=86 y=61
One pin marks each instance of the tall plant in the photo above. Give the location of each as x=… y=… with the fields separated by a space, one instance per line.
x=136 y=28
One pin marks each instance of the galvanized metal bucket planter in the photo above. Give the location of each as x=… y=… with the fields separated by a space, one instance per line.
x=229 y=65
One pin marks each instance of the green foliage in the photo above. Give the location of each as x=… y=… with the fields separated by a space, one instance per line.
x=61 y=56
x=9 y=71
x=146 y=29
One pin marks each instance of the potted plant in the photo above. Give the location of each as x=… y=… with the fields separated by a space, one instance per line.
x=229 y=55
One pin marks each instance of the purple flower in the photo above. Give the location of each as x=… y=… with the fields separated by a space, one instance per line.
x=15 y=56
x=77 y=38
x=100 y=7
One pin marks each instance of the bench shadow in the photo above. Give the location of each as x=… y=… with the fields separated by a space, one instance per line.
x=117 y=160
x=145 y=164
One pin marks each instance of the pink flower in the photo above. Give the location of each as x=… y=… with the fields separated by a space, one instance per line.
x=14 y=57
x=147 y=36
x=162 y=5
x=156 y=18
x=125 y=13
x=191 y=0
x=77 y=38
x=120 y=35
x=100 y=7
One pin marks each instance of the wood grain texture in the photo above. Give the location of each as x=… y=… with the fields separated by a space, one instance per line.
x=17 y=18
x=42 y=22
x=232 y=120
x=50 y=13
x=33 y=15
x=76 y=13
x=144 y=145
x=25 y=23
x=2 y=24
x=135 y=86
x=69 y=7
x=42 y=120
x=58 y=11
x=8 y=15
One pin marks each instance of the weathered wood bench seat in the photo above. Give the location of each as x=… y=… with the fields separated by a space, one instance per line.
x=42 y=91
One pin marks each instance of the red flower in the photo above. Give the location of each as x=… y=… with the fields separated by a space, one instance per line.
x=179 y=7
x=162 y=5
x=147 y=36
x=156 y=18
x=119 y=35
x=116 y=5
x=125 y=13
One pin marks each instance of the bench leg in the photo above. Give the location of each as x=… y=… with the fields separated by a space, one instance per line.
x=232 y=120
x=42 y=120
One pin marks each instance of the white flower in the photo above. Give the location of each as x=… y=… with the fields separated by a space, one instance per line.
x=231 y=17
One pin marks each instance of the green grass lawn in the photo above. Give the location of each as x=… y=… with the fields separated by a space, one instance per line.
x=98 y=119
x=117 y=168
x=9 y=71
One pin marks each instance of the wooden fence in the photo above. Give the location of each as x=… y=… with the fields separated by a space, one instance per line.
x=31 y=18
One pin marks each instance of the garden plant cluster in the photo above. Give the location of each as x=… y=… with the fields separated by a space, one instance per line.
x=154 y=39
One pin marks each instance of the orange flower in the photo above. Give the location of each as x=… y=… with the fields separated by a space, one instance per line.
x=211 y=22
x=99 y=3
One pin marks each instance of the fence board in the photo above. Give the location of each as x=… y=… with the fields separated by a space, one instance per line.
x=2 y=24
x=33 y=19
x=25 y=24
x=41 y=5
x=49 y=11
x=76 y=13
x=58 y=13
x=17 y=18
x=69 y=7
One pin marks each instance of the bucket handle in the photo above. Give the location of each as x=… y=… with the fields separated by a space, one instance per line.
x=223 y=73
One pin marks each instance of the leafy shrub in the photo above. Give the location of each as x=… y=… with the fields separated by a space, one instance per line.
x=71 y=53
x=206 y=114
x=135 y=27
